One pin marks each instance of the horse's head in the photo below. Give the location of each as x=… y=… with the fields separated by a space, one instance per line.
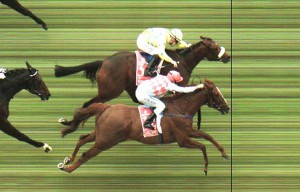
x=215 y=97
x=36 y=84
x=214 y=51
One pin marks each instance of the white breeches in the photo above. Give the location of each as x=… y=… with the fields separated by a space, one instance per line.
x=146 y=47
x=144 y=98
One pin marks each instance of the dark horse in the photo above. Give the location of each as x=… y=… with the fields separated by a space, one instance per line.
x=15 y=81
x=14 y=4
x=118 y=72
x=118 y=123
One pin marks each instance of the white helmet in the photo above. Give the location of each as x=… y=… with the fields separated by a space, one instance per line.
x=177 y=34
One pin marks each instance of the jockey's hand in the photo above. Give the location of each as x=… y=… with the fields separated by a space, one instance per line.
x=200 y=86
x=189 y=44
x=175 y=63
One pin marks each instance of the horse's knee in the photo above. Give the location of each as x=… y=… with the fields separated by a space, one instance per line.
x=182 y=143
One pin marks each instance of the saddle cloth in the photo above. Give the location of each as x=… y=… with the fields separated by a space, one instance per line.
x=141 y=65
x=145 y=111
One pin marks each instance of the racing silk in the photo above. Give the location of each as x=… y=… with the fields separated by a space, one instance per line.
x=157 y=38
x=160 y=85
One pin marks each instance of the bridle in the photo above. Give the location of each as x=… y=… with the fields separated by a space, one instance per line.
x=32 y=84
x=218 y=55
x=212 y=98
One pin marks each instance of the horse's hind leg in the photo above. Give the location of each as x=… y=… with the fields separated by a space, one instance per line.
x=83 y=139
x=10 y=130
x=92 y=152
x=201 y=134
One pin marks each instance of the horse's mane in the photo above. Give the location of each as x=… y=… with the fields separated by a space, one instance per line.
x=179 y=96
x=16 y=75
x=15 y=72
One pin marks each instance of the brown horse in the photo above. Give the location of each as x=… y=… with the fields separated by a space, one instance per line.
x=14 y=4
x=118 y=72
x=15 y=81
x=118 y=123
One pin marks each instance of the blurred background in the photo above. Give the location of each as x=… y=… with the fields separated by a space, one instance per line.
x=263 y=124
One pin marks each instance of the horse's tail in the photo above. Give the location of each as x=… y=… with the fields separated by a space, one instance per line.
x=83 y=114
x=90 y=70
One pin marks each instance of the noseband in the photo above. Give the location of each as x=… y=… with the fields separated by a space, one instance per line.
x=213 y=52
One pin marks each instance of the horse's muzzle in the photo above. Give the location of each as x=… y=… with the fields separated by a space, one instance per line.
x=225 y=59
x=45 y=97
x=224 y=111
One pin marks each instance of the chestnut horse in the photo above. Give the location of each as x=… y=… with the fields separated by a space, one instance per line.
x=15 y=81
x=118 y=72
x=118 y=123
x=14 y=4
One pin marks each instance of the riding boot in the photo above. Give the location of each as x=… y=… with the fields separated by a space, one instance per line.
x=148 y=71
x=149 y=121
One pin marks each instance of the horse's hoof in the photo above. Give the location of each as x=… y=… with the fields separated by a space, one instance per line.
x=47 y=148
x=61 y=166
x=44 y=26
x=205 y=171
x=225 y=157
x=62 y=120
x=67 y=160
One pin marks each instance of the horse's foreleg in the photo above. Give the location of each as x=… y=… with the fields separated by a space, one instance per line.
x=10 y=130
x=83 y=139
x=19 y=8
x=201 y=134
x=188 y=143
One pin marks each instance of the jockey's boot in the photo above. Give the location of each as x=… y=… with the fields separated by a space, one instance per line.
x=149 y=121
x=149 y=70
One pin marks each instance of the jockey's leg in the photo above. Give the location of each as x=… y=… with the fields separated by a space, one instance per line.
x=151 y=65
x=159 y=113
x=149 y=120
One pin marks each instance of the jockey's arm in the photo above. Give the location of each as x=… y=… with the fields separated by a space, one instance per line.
x=183 y=44
x=163 y=55
x=174 y=87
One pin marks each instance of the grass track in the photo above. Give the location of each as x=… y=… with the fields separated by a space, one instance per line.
x=265 y=95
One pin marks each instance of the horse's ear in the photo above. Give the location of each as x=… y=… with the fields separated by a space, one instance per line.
x=28 y=65
x=30 y=68
x=206 y=81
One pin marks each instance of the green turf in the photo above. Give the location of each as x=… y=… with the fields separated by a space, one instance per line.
x=265 y=90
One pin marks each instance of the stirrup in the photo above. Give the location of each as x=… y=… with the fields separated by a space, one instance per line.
x=149 y=73
x=148 y=126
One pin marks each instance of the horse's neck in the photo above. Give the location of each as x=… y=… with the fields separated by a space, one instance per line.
x=191 y=57
x=12 y=86
x=188 y=104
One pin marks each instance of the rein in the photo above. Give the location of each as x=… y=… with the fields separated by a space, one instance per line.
x=178 y=115
x=187 y=116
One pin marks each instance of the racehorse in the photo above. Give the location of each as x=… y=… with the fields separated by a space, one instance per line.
x=15 y=81
x=14 y=4
x=118 y=72
x=118 y=123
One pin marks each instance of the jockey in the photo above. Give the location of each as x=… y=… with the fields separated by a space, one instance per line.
x=150 y=91
x=153 y=41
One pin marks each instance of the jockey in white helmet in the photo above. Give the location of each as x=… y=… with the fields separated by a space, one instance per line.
x=150 y=91
x=154 y=40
